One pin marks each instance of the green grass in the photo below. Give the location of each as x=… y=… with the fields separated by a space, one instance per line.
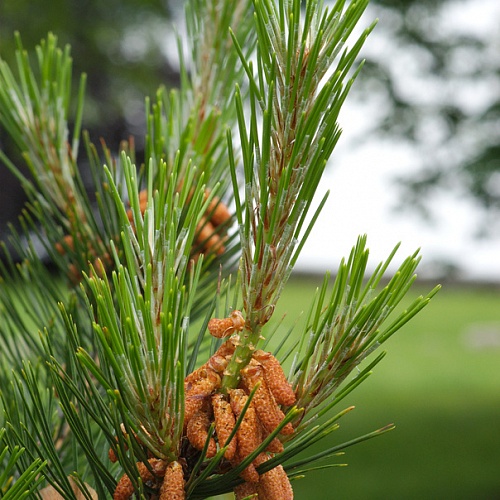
x=440 y=385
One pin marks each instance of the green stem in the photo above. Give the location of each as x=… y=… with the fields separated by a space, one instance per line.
x=249 y=338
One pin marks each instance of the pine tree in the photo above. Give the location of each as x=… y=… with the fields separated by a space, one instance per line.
x=141 y=368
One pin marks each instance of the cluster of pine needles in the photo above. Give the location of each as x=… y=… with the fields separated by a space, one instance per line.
x=141 y=367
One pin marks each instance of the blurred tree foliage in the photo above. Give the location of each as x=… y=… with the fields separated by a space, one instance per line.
x=446 y=104
x=120 y=44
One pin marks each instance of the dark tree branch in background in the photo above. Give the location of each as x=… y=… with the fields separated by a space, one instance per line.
x=120 y=45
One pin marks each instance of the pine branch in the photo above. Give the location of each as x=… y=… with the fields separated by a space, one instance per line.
x=299 y=106
x=114 y=391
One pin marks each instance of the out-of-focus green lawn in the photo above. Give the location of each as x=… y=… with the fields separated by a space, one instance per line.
x=440 y=385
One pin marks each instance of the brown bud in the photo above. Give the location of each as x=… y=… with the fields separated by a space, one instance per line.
x=275 y=446
x=197 y=432
x=226 y=326
x=112 y=456
x=125 y=489
x=246 y=490
x=202 y=386
x=218 y=363
x=275 y=485
x=143 y=204
x=269 y=413
x=248 y=434
x=143 y=198
x=67 y=243
x=218 y=212
x=208 y=238
x=173 y=483
x=200 y=381
x=224 y=424
x=275 y=378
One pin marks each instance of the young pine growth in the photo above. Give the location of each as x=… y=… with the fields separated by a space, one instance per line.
x=151 y=376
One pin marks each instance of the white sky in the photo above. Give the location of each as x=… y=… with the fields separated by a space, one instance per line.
x=362 y=202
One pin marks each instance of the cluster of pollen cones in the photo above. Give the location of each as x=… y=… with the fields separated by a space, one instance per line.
x=207 y=407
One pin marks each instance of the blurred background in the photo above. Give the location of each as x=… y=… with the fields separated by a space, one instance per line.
x=419 y=162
